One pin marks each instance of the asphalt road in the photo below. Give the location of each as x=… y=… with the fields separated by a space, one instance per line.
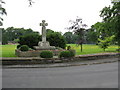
x=88 y=76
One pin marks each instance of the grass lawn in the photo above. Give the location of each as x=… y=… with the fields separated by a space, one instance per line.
x=92 y=49
x=9 y=50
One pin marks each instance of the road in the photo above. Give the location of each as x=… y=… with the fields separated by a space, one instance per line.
x=88 y=76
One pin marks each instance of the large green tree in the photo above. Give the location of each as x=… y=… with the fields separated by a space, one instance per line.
x=111 y=18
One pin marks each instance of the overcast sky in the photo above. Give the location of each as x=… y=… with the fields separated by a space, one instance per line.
x=57 y=13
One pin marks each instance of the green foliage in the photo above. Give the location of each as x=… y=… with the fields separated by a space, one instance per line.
x=56 y=39
x=111 y=17
x=4 y=40
x=30 y=40
x=24 y=48
x=49 y=31
x=46 y=54
x=101 y=30
x=65 y=54
x=68 y=47
x=91 y=36
x=14 y=33
x=18 y=46
x=4 y=37
x=72 y=52
x=70 y=37
x=106 y=42
x=16 y=40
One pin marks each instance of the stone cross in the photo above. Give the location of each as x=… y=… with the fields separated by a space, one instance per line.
x=43 y=24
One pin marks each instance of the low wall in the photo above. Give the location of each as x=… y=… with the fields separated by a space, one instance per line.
x=38 y=60
x=34 y=53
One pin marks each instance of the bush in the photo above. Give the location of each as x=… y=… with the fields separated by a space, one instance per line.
x=65 y=54
x=24 y=48
x=68 y=47
x=30 y=40
x=72 y=53
x=18 y=46
x=56 y=39
x=106 y=42
x=46 y=54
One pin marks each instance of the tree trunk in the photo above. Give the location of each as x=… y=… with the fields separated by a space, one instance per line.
x=81 y=47
x=104 y=49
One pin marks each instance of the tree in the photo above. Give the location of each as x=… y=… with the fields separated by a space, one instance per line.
x=92 y=36
x=70 y=37
x=106 y=42
x=4 y=37
x=79 y=28
x=14 y=33
x=111 y=17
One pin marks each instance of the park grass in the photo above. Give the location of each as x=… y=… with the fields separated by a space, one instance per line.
x=9 y=50
x=92 y=49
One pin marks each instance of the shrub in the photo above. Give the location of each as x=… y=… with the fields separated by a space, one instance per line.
x=46 y=54
x=24 y=48
x=18 y=46
x=106 y=42
x=30 y=40
x=56 y=39
x=68 y=47
x=65 y=54
x=72 y=53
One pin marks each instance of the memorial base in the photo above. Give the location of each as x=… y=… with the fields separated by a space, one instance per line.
x=44 y=46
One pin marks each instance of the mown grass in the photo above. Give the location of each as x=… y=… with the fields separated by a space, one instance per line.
x=92 y=49
x=9 y=50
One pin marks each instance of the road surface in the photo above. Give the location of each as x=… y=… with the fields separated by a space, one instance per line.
x=88 y=76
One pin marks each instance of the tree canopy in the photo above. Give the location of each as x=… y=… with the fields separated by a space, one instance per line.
x=111 y=18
